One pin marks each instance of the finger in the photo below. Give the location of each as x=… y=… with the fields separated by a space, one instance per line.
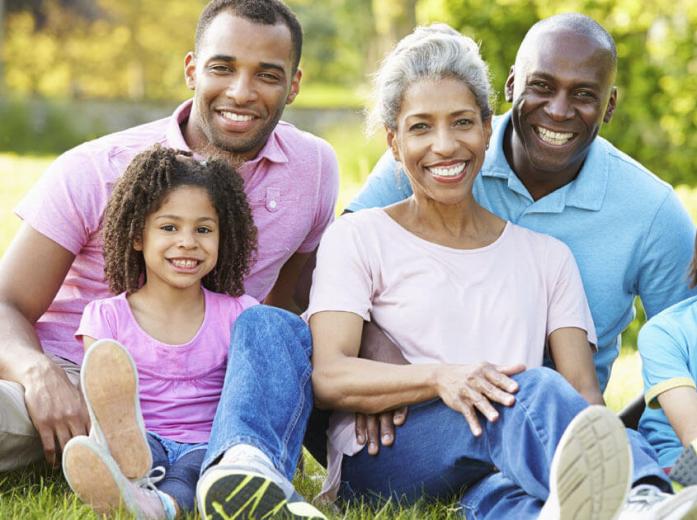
x=373 y=435
x=361 y=428
x=501 y=379
x=48 y=441
x=495 y=394
x=386 y=429
x=400 y=416
x=63 y=436
x=481 y=403
x=472 y=420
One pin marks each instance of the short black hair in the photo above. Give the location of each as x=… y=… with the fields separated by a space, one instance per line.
x=265 y=12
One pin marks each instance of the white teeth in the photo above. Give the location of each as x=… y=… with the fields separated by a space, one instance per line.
x=184 y=263
x=558 y=138
x=450 y=171
x=232 y=116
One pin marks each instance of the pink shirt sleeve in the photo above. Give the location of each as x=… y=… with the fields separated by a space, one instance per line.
x=568 y=306
x=342 y=279
x=326 y=197
x=98 y=321
x=67 y=203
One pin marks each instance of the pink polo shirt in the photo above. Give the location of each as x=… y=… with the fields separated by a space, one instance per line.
x=291 y=185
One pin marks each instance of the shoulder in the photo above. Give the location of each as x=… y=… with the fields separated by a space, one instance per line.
x=114 y=305
x=225 y=303
x=676 y=316
x=298 y=143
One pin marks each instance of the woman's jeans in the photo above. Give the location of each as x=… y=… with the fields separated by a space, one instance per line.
x=182 y=464
x=267 y=401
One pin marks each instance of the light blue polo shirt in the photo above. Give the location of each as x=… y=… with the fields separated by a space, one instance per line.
x=668 y=348
x=627 y=229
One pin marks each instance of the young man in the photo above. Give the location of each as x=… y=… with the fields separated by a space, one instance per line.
x=243 y=72
x=547 y=169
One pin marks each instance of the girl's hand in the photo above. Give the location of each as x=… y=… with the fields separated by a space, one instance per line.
x=471 y=388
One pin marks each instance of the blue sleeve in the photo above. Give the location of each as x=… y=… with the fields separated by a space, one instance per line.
x=665 y=257
x=385 y=185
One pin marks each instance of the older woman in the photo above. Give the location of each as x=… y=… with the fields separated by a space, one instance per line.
x=472 y=301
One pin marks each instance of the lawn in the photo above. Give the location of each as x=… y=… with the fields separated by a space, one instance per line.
x=42 y=494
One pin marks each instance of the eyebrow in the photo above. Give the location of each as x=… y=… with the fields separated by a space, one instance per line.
x=177 y=217
x=552 y=78
x=456 y=113
x=264 y=64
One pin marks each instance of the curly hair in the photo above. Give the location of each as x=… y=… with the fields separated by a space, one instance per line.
x=142 y=189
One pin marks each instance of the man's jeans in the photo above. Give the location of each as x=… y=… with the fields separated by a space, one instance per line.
x=267 y=400
x=443 y=457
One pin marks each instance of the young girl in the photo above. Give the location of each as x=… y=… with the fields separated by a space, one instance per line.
x=178 y=241
x=668 y=348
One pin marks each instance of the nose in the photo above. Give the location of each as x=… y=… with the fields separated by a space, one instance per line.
x=187 y=240
x=443 y=142
x=241 y=89
x=558 y=107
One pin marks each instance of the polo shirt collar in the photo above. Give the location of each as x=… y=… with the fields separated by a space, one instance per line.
x=272 y=151
x=586 y=191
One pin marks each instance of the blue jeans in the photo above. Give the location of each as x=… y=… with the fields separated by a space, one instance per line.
x=267 y=394
x=436 y=456
x=182 y=463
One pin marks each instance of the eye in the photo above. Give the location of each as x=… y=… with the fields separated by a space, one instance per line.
x=418 y=126
x=464 y=122
x=168 y=228
x=586 y=94
x=204 y=230
x=219 y=68
x=540 y=85
x=269 y=77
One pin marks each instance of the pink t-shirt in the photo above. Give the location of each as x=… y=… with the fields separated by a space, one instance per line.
x=498 y=303
x=291 y=185
x=180 y=385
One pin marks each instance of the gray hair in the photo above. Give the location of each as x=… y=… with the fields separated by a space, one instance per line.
x=434 y=52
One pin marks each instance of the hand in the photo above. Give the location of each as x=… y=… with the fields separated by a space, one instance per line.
x=471 y=388
x=367 y=428
x=56 y=408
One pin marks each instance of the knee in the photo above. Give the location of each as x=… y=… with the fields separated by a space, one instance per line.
x=272 y=326
x=540 y=377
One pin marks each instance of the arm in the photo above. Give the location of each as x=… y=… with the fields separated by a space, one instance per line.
x=573 y=359
x=342 y=381
x=87 y=342
x=31 y=273
x=283 y=291
x=680 y=406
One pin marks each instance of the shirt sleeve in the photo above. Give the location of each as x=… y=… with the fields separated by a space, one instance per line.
x=386 y=184
x=327 y=196
x=342 y=279
x=568 y=306
x=66 y=204
x=665 y=257
x=664 y=359
x=98 y=321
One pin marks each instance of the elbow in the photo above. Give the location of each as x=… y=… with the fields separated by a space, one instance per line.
x=325 y=395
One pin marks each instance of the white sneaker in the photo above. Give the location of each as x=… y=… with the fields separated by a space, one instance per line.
x=647 y=502
x=250 y=489
x=96 y=479
x=109 y=382
x=591 y=468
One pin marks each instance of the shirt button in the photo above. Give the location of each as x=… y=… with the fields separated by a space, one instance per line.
x=273 y=204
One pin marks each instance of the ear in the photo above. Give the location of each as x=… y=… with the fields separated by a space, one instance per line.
x=392 y=143
x=294 y=86
x=611 y=105
x=508 y=89
x=487 y=130
x=138 y=244
x=190 y=70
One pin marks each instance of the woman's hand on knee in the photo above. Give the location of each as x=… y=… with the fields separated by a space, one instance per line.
x=469 y=389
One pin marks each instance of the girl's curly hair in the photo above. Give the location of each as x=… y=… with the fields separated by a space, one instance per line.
x=142 y=189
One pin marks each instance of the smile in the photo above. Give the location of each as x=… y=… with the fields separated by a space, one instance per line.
x=184 y=263
x=448 y=171
x=239 y=118
x=551 y=137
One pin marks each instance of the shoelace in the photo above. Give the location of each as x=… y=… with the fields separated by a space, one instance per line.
x=155 y=475
x=644 y=497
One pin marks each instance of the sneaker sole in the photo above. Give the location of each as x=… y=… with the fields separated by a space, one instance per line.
x=90 y=477
x=592 y=467
x=245 y=496
x=684 y=470
x=110 y=386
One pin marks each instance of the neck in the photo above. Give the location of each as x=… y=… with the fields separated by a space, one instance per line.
x=167 y=299
x=198 y=142
x=539 y=183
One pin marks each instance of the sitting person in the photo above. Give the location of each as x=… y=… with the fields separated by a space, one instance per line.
x=668 y=348
x=178 y=242
x=473 y=302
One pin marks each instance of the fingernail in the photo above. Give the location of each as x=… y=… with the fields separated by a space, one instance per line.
x=387 y=437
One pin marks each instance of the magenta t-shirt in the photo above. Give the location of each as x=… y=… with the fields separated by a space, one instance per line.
x=291 y=185
x=180 y=385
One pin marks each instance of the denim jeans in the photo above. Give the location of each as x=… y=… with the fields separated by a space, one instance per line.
x=436 y=456
x=267 y=395
x=182 y=463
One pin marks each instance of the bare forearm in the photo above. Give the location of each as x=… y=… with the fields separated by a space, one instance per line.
x=680 y=407
x=360 y=385
x=20 y=350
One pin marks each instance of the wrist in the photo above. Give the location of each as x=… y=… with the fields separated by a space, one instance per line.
x=33 y=367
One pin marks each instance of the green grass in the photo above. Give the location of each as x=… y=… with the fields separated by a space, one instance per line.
x=320 y=95
x=40 y=493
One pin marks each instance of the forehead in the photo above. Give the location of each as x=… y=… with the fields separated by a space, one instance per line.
x=565 y=54
x=453 y=96
x=230 y=35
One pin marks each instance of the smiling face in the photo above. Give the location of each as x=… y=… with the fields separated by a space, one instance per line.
x=242 y=77
x=562 y=91
x=180 y=239
x=440 y=139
